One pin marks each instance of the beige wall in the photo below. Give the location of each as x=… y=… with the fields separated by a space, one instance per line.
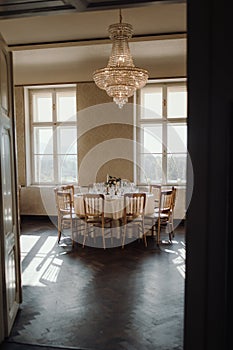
x=99 y=130
x=56 y=74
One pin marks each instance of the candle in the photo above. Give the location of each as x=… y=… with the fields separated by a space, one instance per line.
x=107 y=177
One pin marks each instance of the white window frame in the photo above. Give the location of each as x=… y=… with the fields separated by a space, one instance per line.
x=165 y=121
x=30 y=125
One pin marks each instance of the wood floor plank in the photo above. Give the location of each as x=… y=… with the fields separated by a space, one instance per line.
x=90 y=298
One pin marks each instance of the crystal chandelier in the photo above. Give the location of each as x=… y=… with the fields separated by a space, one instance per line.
x=120 y=78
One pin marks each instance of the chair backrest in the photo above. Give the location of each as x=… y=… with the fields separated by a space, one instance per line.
x=68 y=188
x=166 y=199
x=134 y=204
x=64 y=202
x=93 y=205
x=156 y=191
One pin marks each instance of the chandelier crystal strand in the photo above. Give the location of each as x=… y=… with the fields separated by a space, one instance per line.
x=120 y=78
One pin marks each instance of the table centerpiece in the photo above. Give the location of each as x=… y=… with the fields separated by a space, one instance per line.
x=112 y=181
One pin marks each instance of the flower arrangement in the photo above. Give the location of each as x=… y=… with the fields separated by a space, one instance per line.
x=112 y=181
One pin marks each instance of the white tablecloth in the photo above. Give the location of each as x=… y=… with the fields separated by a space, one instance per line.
x=114 y=205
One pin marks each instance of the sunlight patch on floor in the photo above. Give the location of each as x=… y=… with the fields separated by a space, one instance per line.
x=179 y=260
x=44 y=266
x=26 y=244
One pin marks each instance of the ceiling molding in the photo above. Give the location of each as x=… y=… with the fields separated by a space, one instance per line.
x=22 y=8
x=93 y=5
x=84 y=42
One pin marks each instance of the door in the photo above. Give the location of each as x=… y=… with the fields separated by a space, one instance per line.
x=10 y=283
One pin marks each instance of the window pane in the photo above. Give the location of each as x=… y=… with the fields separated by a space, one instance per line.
x=67 y=168
x=176 y=168
x=66 y=105
x=152 y=102
x=151 y=167
x=43 y=166
x=177 y=101
x=177 y=138
x=42 y=107
x=43 y=141
x=152 y=138
x=67 y=140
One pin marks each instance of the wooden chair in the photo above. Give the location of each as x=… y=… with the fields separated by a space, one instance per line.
x=134 y=211
x=66 y=217
x=162 y=216
x=171 y=218
x=94 y=215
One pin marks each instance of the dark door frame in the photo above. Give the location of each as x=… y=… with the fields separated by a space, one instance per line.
x=208 y=292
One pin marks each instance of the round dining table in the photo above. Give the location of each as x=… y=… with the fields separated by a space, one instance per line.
x=113 y=205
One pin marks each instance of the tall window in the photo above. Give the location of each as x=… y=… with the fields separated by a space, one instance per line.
x=53 y=135
x=162 y=133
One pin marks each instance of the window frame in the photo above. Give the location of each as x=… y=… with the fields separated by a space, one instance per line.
x=165 y=121
x=30 y=125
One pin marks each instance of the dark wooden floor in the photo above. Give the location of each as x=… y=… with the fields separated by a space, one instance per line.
x=90 y=298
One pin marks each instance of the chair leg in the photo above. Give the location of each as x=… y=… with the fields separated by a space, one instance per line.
x=171 y=231
x=158 y=231
x=59 y=230
x=170 y=237
x=144 y=234
x=94 y=235
x=172 y=225
x=104 y=246
x=124 y=234
x=153 y=228
x=85 y=234
x=72 y=233
x=59 y=236
x=111 y=233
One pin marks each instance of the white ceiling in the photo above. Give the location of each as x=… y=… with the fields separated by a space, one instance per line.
x=153 y=19
x=81 y=39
